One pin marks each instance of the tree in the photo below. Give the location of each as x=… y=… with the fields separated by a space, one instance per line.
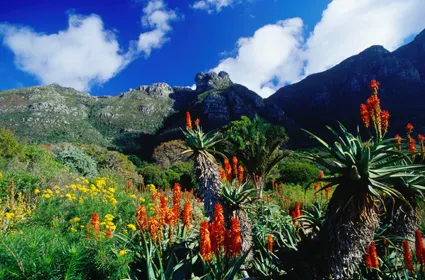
x=257 y=144
x=200 y=148
x=9 y=144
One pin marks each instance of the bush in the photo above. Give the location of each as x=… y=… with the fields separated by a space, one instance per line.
x=23 y=182
x=297 y=172
x=170 y=153
x=9 y=144
x=77 y=161
x=187 y=177
x=162 y=178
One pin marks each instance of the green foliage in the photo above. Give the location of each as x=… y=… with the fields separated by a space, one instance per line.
x=23 y=182
x=170 y=153
x=257 y=144
x=136 y=161
x=77 y=161
x=297 y=172
x=161 y=178
x=9 y=145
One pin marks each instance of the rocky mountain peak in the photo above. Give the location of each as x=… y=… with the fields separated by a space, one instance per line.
x=212 y=80
x=157 y=89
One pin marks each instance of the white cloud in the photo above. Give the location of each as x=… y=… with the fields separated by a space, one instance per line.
x=212 y=6
x=157 y=17
x=85 y=53
x=276 y=54
x=271 y=54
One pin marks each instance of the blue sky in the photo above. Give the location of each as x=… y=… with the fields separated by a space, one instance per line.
x=106 y=47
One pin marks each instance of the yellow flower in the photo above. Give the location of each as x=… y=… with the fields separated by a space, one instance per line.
x=133 y=196
x=57 y=191
x=73 y=229
x=36 y=191
x=152 y=188
x=47 y=195
x=49 y=191
x=9 y=215
x=142 y=200
x=125 y=231
x=82 y=226
x=69 y=196
x=132 y=227
x=112 y=190
x=75 y=220
x=122 y=252
x=1 y=175
x=56 y=187
x=109 y=217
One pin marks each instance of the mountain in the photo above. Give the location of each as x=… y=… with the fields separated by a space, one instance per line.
x=132 y=121
x=336 y=94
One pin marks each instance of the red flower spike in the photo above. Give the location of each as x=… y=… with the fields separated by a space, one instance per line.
x=270 y=242
x=373 y=255
x=364 y=115
x=419 y=246
x=235 y=233
x=408 y=263
x=188 y=121
x=205 y=241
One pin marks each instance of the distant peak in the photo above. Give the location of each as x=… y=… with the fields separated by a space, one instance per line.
x=375 y=50
x=420 y=36
x=212 y=80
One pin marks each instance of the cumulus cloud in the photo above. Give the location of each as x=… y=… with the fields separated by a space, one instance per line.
x=157 y=17
x=85 y=53
x=212 y=6
x=277 y=54
x=270 y=55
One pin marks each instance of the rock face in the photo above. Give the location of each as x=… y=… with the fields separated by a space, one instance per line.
x=212 y=80
x=336 y=94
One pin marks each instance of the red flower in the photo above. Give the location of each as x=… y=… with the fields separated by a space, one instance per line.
x=364 y=115
x=421 y=138
x=197 y=122
x=141 y=218
x=270 y=242
x=374 y=85
x=412 y=145
x=228 y=243
x=316 y=188
x=419 y=246
x=407 y=256
x=187 y=214
x=129 y=184
x=188 y=121
x=235 y=166
x=240 y=173
x=177 y=194
x=373 y=256
x=372 y=103
x=219 y=226
x=385 y=116
x=212 y=234
x=368 y=260
x=228 y=169
x=327 y=190
x=205 y=241
x=109 y=233
x=154 y=229
x=95 y=223
x=409 y=129
x=223 y=176
x=235 y=233
x=321 y=174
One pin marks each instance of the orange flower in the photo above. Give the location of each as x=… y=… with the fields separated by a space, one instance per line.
x=421 y=138
x=205 y=241
x=154 y=228
x=212 y=234
x=368 y=260
x=219 y=226
x=409 y=129
x=373 y=256
x=397 y=141
x=187 y=214
x=412 y=145
x=364 y=115
x=197 y=122
x=270 y=242
x=385 y=116
x=188 y=121
x=228 y=169
x=372 y=103
x=235 y=166
x=129 y=184
x=163 y=200
x=235 y=233
x=95 y=223
x=327 y=190
x=374 y=85
x=141 y=218
x=177 y=194
x=109 y=233
x=240 y=173
x=321 y=174
x=316 y=187
x=407 y=256
x=223 y=176
x=420 y=250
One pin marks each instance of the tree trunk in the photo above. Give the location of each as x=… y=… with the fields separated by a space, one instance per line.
x=209 y=183
x=347 y=229
x=246 y=232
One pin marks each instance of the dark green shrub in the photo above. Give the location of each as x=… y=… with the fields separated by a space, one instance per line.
x=9 y=144
x=161 y=178
x=23 y=182
x=297 y=172
x=186 y=173
x=77 y=161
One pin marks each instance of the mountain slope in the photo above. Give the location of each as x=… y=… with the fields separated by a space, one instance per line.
x=336 y=94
